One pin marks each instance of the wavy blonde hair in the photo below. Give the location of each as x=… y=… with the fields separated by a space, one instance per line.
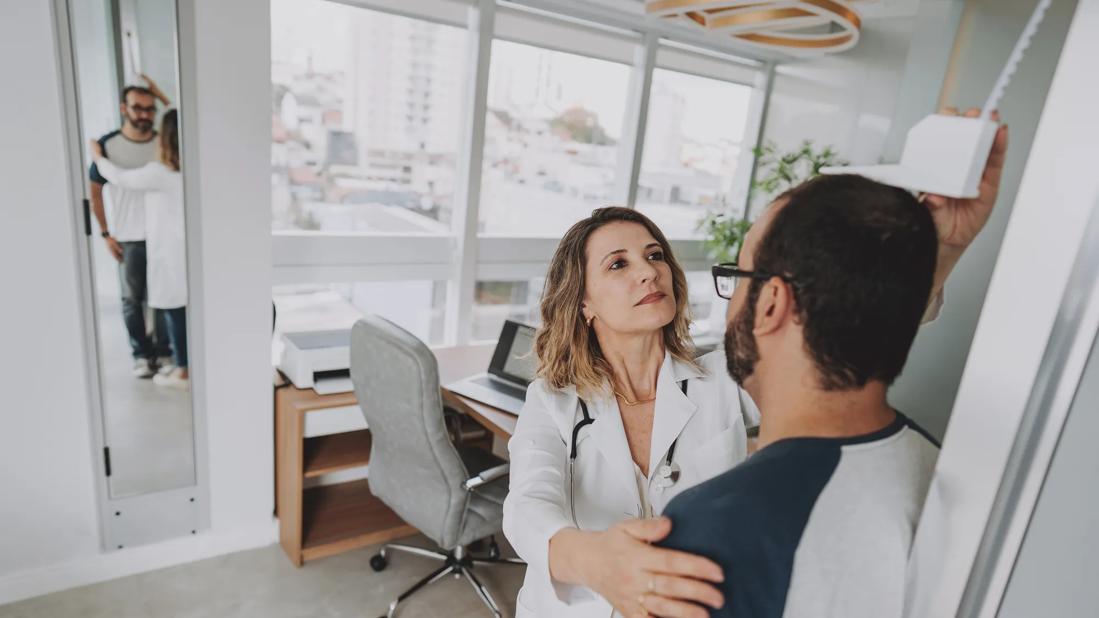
x=567 y=349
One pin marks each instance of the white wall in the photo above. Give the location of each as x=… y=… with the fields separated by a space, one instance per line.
x=935 y=30
x=845 y=100
x=989 y=28
x=48 y=507
x=156 y=26
x=231 y=52
x=1055 y=197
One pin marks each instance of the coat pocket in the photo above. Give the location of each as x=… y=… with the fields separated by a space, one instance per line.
x=721 y=452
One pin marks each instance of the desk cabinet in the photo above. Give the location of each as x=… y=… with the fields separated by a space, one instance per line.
x=329 y=519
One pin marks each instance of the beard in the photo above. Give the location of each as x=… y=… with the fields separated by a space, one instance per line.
x=141 y=124
x=741 y=351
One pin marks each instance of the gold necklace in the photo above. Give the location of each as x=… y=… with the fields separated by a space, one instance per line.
x=626 y=400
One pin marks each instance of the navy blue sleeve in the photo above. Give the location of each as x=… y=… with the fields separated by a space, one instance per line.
x=750 y=520
x=93 y=171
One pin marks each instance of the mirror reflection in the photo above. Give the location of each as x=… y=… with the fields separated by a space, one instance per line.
x=125 y=55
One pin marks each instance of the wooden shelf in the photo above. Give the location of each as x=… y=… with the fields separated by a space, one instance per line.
x=335 y=452
x=341 y=517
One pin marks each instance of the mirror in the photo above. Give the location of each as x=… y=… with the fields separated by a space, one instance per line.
x=125 y=58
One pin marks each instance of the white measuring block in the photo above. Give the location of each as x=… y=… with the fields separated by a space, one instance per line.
x=945 y=155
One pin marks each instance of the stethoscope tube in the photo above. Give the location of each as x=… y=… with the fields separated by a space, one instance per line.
x=588 y=420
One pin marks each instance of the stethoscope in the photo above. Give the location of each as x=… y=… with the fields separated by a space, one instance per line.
x=667 y=474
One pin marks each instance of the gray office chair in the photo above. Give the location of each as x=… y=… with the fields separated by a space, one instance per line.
x=453 y=495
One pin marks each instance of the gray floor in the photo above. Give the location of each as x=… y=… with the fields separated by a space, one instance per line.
x=263 y=583
x=149 y=427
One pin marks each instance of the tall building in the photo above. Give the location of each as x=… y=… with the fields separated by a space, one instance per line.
x=663 y=134
x=404 y=84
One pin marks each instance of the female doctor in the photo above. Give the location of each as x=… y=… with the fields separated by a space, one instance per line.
x=621 y=419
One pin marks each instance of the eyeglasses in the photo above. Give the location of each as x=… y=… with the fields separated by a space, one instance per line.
x=141 y=109
x=727 y=275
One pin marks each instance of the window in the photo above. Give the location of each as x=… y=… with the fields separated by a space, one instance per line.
x=707 y=309
x=693 y=142
x=496 y=301
x=370 y=127
x=551 y=139
x=416 y=306
x=366 y=110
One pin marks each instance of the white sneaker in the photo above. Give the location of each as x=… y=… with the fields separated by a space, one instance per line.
x=173 y=379
x=142 y=368
x=165 y=368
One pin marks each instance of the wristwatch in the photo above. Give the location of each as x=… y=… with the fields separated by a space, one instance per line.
x=105 y=234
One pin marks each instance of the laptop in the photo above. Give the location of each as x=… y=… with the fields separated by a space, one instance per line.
x=513 y=368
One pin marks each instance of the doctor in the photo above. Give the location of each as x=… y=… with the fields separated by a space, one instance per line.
x=621 y=420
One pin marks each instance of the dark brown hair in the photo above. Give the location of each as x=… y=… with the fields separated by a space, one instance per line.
x=860 y=256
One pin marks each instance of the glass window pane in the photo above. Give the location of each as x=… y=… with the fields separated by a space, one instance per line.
x=416 y=306
x=518 y=300
x=365 y=119
x=693 y=142
x=551 y=139
x=496 y=301
x=708 y=310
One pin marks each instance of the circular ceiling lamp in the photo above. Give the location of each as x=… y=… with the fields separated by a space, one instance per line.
x=802 y=27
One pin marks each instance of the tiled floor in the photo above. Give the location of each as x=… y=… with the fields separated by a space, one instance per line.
x=262 y=583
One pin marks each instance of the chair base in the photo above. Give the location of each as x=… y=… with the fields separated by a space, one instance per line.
x=457 y=562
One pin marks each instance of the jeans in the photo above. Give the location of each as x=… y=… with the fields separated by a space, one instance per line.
x=177 y=333
x=132 y=282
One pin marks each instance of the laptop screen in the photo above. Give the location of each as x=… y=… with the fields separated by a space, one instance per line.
x=514 y=358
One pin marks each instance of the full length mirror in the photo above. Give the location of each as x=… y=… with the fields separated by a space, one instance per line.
x=125 y=56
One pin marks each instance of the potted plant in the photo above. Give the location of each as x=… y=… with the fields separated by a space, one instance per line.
x=776 y=172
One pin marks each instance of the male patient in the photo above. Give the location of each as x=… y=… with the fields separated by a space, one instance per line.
x=831 y=286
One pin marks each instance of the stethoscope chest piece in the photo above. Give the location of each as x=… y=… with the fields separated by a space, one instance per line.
x=667 y=475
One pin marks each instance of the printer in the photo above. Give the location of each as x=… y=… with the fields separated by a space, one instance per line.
x=320 y=360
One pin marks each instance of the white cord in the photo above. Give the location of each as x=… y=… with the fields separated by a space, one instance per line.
x=1013 y=60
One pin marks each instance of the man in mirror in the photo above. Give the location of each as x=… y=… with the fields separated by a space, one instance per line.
x=131 y=146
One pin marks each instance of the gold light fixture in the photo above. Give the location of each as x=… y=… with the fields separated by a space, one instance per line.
x=802 y=27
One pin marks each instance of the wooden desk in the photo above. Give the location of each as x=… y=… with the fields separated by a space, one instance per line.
x=330 y=519
x=456 y=363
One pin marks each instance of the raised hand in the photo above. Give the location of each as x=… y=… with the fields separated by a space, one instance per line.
x=958 y=221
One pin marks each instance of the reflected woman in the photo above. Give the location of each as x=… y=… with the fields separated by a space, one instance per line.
x=165 y=238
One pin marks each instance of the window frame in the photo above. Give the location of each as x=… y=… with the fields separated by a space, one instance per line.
x=463 y=256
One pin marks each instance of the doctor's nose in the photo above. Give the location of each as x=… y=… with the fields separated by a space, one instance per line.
x=647 y=273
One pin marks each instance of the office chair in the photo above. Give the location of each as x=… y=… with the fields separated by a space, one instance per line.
x=453 y=495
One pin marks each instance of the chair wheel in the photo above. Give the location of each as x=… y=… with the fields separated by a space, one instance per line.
x=378 y=562
x=493 y=550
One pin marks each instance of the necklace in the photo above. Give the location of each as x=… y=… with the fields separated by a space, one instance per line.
x=626 y=400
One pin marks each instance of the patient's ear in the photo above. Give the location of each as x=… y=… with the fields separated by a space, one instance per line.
x=775 y=307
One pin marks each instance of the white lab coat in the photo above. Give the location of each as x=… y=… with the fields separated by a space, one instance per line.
x=710 y=425
x=165 y=239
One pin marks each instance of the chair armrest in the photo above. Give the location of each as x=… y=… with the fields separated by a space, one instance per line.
x=486 y=476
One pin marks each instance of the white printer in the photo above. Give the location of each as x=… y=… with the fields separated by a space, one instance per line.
x=320 y=360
